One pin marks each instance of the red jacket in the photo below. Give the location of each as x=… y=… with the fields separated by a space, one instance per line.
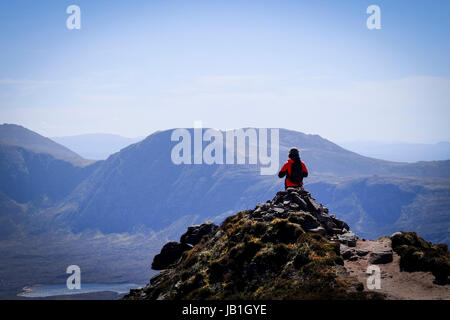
x=286 y=171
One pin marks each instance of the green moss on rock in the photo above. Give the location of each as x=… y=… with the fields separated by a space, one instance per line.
x=416 y=254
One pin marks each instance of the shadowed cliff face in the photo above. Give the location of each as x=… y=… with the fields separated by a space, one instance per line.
x=287 y=248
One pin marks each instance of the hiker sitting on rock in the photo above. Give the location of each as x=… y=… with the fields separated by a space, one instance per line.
x=294 y=169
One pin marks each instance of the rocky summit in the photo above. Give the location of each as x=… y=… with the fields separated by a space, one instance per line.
x=287 y=248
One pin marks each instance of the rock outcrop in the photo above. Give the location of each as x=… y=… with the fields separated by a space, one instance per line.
x=352 y=254
x=381 y=257
x=194 y=234
x=313 y=218
x=286 y=248
x=416 y=254
x=172 y=251
x=170 y=254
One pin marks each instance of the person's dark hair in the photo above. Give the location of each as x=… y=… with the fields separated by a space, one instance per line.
x=294 y=154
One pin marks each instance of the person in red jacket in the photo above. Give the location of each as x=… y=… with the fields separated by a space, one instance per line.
x=294 y=169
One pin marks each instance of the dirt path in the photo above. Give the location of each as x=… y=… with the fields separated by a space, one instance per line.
x=396 y=285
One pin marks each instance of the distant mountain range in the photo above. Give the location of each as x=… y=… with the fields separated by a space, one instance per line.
x=50 y=197
x=96 y=146
x=99 y=146
x=402 y=152
x=139 y=188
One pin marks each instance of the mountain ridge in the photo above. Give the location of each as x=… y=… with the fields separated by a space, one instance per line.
x=144 y=172
x=123 y=196
x=128 y=191
x=16 y=135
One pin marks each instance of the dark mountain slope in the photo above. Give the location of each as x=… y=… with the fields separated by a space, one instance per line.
x=12 y=217
x=141 y=187
x=15 y=135
x=26 y=176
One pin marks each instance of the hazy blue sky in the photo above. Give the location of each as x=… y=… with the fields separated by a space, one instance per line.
x=313 y=66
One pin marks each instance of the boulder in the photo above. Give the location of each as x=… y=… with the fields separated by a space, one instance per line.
x=362 y=252
x=194 y=234
x=279 y=198
x=348 y=238
x=337 y=231
x=269 y=216
x=306 y=220
x=318 y=230
x=257 y=210
x=416 y=254
x=327 y=222
x=381 y=257
x=347 y=253
x=256 y=214
x=339 y=223
x=396 y=234
x=170 y=254
x=312 y=204
x=329 y=226
x=295 y=198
